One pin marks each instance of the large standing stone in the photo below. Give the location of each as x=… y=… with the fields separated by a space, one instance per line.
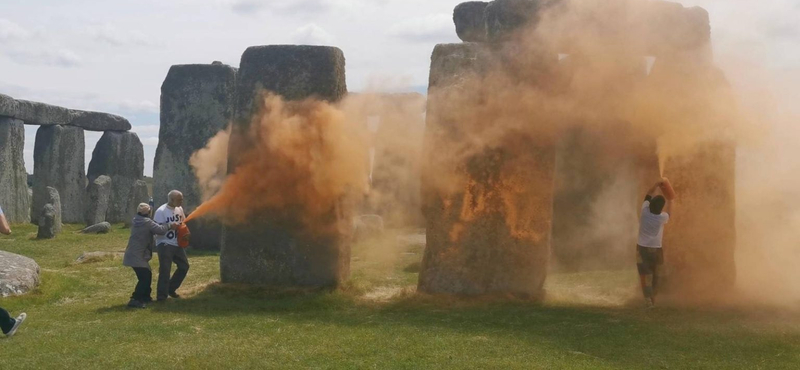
x=18 y=274
x=58 y=161
x=489 y=213
x=272 y=249
x=120 y=156
x=50 y=216
x=700 y=238
x=140 y=194
x=470 y=21
x=196 y=103
x=98 y=197
x=13 y=177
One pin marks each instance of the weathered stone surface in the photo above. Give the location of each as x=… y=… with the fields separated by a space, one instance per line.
x=18 y=274
x=206 y=234
x=58 y=161
x=98 y=198
x=120 y=156
x=101 y=228
x=50 y=215
x=35 y=113
x=13 y=176
x=8 y=106
x=489 y=213
x=140 y=194
x=196 y=103
x=699 y=260
x=452 y=62
x=98 y=121
x=470 y=21
x=506 y=17
x=272 y=249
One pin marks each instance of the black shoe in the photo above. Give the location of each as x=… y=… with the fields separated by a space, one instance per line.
x=175 y=295
x=135 y=304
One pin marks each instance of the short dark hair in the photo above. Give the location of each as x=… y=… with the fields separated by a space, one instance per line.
x=657 y=205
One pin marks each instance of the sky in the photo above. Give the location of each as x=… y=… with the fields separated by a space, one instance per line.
x=112 y=56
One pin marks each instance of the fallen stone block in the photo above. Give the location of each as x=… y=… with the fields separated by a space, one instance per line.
x=18 y=274
x=101 y=228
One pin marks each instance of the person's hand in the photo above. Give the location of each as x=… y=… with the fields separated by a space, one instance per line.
x=174 y=226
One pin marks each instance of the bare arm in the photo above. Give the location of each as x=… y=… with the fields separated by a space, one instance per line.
x=652 y=192
x=4 y=228
x=668 y=208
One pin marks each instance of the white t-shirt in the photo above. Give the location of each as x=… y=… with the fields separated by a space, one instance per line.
x=168 y=215
x=1 y=211
x=651 y=227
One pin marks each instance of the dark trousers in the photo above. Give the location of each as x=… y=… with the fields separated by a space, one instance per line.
x=6 y=322
x=647 y=261
x=167 y=254
x=142 y=291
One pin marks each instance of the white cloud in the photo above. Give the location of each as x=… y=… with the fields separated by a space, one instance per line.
x=292 y=7
x=57 y=58
x=430 y=28
x=138 y=106
x=146 y=130
x=113 y=36
x=311 y=34
x=12 y=31
x=150 y=141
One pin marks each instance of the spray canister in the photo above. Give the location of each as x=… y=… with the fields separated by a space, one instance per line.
x=152 y=207
x=183 y=236
x=666 y=188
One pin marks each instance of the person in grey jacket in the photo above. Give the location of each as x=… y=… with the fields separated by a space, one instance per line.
x=140 y=251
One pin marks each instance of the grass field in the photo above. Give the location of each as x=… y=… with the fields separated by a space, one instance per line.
x=593 y=320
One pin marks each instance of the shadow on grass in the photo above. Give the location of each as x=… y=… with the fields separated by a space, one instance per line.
x=619 y=336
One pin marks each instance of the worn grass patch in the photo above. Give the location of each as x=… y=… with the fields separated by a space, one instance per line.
x=592 y=320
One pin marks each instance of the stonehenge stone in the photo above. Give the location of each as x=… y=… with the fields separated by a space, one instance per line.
x=18 y=274
x=505 y=17
x=50 y=215
x=13 y=177
x=98 y=121
x=100 y=228
x=272 y=249
x=8 y=106
x=470 y=21
x=120 y=156
x=140 y=194
x=488 y=224
x=196 y=103
x=58 y=161
x=700 y=238
x=35 y=113
x=98 y=198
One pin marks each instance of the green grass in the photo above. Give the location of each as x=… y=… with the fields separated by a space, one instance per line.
x=591 y=320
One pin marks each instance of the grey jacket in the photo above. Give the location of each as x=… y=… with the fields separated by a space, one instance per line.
x=140 y=244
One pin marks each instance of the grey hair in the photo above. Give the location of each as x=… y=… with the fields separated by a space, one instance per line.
x=173 y=194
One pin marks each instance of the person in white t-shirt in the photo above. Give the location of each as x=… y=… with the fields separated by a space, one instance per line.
x=168 y=249
x=649 y=251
